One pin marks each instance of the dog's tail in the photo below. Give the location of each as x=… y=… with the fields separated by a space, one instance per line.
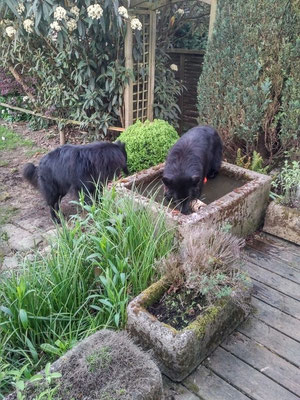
x=30 y=173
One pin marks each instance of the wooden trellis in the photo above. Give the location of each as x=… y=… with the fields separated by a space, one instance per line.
x=139 y=94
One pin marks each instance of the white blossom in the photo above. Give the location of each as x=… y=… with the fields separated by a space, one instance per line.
x=95 y=11
x=123 y=12
x=60 y=13
x=180 y=11
x=55 y=26
x=136 y=24
x=174 y=67
x=10 y=31
x=71 y=24
x=28 y=24
x=3 y=138
x=20 y=8
x=75 y=11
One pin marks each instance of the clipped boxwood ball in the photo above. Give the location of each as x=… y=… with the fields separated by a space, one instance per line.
x=148 y=143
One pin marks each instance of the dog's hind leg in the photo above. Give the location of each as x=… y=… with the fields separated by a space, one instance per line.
x=52 y=197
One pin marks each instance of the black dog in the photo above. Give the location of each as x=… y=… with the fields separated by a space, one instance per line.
x=195 y=156
x=75 y=167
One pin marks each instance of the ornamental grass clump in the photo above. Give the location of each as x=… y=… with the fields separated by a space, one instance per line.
x=148 y=143
x=207 y=264
x=97 y=263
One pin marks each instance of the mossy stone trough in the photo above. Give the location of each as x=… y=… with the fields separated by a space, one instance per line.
x=243 y=207
x=178 y=353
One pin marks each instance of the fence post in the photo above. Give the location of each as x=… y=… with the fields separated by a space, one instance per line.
x=128 y=92
x=213 y=12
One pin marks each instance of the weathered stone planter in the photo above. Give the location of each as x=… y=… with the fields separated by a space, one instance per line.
x=243 y=207
x=283 y=222
x=106 y=365
x=178 y=353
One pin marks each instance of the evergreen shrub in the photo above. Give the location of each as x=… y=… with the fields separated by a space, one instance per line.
x=248 y=87
x=148 y=143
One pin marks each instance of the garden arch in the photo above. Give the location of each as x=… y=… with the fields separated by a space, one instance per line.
x=139 y=93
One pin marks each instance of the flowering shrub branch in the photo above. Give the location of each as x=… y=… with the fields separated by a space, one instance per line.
x=75 y=54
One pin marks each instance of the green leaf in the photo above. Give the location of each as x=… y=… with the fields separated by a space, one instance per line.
x=23 y=318
x=6 y=310
x=48 y=348
x=32 y=349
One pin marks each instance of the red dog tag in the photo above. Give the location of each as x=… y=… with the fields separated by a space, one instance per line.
x=205 y=180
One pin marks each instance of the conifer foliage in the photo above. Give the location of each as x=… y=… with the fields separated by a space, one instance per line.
x=250 y=80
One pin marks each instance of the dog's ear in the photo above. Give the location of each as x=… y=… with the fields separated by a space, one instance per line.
x=167 y=181
x=195 y=180
x=120 y=144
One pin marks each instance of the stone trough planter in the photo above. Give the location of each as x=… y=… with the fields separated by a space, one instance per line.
x=178 y=353
x=106 y=365
x=283 y=222
x=243 y=206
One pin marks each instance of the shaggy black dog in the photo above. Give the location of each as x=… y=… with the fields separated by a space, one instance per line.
x=76 y=167
x=195 y=156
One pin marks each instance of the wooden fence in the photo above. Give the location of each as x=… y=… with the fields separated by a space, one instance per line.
x=189 y=63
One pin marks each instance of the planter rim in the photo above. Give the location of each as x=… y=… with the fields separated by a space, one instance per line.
x=142 y=301
x=254 y=180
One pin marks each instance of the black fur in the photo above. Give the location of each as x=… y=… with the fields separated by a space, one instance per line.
x=75 y=167
x=195 y=156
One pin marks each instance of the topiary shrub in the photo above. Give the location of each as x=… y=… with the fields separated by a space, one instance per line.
x=148 y=143
x=248 y=87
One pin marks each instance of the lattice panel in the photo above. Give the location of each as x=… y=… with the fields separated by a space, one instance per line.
x=139 y=95
x=141 y=70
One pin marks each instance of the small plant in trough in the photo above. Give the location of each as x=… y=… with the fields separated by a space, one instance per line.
x=205 y=270
x=201 y=298
x=287 y=185
x=285 y=210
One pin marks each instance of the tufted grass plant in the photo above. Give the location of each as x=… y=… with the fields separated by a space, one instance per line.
x=99 y=260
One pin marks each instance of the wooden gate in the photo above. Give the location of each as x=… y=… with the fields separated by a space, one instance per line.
x=189 y=63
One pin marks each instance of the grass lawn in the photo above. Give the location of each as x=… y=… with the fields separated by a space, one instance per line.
x=10 y=140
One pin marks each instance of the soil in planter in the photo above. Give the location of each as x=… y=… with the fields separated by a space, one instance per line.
x=179 y=308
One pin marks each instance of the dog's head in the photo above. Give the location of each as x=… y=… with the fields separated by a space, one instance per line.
x=181 y=190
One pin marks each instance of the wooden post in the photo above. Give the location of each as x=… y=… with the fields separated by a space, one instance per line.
x=19 y=79
x=128 y=92
x=62 y=137
x=213 y=12
x=181 y=77
x=151 y=79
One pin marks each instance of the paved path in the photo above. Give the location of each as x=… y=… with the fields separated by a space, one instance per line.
x=261 y=359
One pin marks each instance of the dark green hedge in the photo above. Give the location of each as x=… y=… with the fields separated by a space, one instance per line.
x=249 y=88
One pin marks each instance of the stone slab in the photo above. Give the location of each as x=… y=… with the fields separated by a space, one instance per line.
x=20 y=239
x=283 y=222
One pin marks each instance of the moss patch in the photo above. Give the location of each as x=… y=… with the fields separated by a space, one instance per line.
x=199 y=326
x=101 y=359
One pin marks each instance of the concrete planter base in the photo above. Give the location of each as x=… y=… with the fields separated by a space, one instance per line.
x=283 y=222
x=178 y=353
